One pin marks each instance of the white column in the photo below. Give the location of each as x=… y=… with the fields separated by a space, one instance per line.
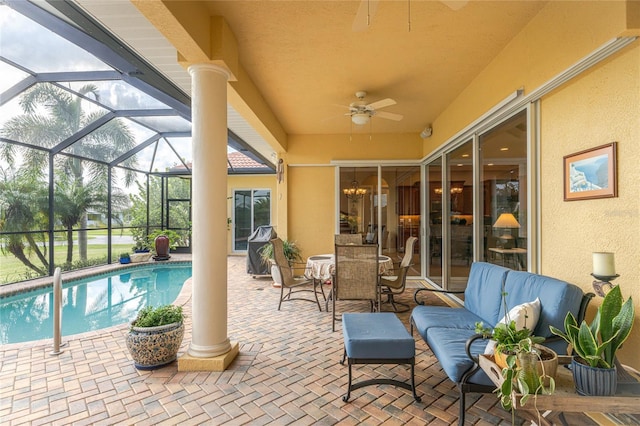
x=209 y=226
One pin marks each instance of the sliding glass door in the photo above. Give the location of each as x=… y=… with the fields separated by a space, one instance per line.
x=382 y=204
x=476 y=198
x=503 y=159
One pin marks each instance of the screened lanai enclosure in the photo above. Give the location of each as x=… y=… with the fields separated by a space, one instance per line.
x=95 y=145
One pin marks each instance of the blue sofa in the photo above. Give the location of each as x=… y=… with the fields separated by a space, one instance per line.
x=450 y=332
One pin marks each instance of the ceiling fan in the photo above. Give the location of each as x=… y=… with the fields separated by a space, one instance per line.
x=368 y=8
x=361 y=112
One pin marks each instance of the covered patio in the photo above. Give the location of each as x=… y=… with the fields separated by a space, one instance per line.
x=560 y=76
x=287 y=372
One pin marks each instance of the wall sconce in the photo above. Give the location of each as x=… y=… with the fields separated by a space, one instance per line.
x=604 y=271
x=280 y=170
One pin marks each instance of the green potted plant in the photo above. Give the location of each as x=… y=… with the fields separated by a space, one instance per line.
x=525 y=375
x=595 y=345
x=291 y=251
x=155 y=336
x=125 y=258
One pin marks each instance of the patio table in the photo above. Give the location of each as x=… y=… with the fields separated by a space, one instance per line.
x=321 y=267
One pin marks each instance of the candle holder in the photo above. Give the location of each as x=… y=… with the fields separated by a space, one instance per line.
x=603 y=281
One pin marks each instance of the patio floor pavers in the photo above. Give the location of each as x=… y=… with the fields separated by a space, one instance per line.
x=287 y=372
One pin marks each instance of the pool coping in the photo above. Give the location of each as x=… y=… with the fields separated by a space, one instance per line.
x=183 y=298
x=12 y=289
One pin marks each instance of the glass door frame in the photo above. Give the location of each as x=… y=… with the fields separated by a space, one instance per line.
x=380 y=165
x=252 y=214
x=472 y=134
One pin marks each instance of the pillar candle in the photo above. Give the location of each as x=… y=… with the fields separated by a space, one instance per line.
x=603 y=264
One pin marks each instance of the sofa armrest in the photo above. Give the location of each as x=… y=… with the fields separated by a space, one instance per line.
x=435 y=290
x=470 y=341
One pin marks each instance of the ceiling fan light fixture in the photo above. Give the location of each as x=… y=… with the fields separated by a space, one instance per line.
x=360 y=118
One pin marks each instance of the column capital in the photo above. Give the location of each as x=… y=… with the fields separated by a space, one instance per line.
x=209 y=67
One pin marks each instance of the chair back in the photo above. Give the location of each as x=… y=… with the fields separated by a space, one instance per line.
x=343 y=239
x=356 y=273
x=282 y=262
x=408 y=251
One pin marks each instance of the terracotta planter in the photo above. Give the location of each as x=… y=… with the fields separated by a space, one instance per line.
x=155 y=347
x=550 y=365
x=162 y=247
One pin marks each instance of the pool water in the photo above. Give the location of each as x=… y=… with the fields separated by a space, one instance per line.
x=92 y=303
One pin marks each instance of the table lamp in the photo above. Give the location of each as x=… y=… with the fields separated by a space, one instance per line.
x=604 y=271
x=507 y=222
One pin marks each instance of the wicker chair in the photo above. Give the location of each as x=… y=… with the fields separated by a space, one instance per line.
x=348 y=239
x=392 y=285
x=292 y=284
x=356 y=276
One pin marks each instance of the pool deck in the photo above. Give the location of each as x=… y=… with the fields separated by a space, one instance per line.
x=287 y=373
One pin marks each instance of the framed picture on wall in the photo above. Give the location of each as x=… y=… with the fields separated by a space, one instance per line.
x=591 y=173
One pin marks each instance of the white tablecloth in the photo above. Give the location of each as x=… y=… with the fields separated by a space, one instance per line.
x=322 y=267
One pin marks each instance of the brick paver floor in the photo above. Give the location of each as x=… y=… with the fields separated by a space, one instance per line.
x=287 y=373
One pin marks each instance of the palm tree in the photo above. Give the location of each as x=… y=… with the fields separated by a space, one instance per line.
x=72 y=202
x=51 y=114
x=23 y=208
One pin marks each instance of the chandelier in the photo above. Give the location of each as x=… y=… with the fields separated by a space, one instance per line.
x=354 y=192
x=453 y=190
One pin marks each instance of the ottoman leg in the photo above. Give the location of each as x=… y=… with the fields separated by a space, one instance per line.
x=346 y=397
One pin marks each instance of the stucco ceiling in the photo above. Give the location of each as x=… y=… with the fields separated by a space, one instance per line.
x=308 y=58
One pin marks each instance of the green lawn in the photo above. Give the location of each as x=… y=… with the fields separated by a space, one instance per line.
x=12 y=270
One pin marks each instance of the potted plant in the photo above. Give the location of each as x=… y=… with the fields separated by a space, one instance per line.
x=595 y=345
x=125 y=258
x=155 y=336
x=291 y=251
x=525 y=375
x=507 y=339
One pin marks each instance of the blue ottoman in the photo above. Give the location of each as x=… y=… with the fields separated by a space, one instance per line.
x=377 y=338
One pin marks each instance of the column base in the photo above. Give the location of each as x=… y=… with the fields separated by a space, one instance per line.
x=187 y=362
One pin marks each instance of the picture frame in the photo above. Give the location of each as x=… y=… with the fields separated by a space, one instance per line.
x=591 y=173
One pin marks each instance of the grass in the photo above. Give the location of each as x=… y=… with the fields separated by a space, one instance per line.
x=12 y=270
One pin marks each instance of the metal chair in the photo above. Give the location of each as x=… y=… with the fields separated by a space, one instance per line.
x=393 y=285
x=356 y=276
x=290 y=282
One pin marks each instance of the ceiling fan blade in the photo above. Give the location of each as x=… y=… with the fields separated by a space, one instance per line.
x=454 y=4
x=388 y=115
x=366 y=11
x=381 y=104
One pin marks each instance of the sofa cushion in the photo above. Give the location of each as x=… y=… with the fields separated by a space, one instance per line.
x=425 y=317
x=557 y=297
x=484 y=290
x=448 y=345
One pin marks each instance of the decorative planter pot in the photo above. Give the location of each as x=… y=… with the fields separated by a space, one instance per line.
x=162 y=247
x=550 y=366
x=592 y=381
x=275 y=274
x=155 y=347
x=140 y=257
x=125 y=260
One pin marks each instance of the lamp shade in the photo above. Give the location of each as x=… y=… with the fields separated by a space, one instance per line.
x=506 y=220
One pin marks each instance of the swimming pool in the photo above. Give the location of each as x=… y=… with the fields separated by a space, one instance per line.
x=91 y=303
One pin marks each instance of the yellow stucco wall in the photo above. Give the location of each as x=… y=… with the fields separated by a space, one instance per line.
x=600 y=107
x=311 y=179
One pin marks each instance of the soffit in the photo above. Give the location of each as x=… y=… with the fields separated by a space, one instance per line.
x=307 y=59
